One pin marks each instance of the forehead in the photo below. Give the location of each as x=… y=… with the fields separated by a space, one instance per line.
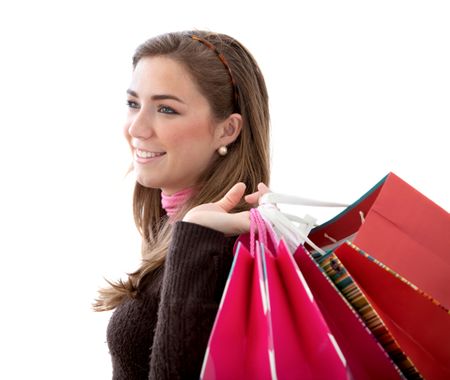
x=154 y=75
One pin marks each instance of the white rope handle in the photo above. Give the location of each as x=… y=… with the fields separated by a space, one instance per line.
x=285 y=228
x=295 y=200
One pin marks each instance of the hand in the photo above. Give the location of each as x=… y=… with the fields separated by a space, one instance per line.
x=217 y=215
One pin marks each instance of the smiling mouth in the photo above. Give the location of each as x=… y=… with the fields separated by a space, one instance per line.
x=145 y=154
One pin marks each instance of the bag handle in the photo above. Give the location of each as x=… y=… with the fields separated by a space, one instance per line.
x=260 y=226
x=285 y=229
x=283 y=224
x=295 y=200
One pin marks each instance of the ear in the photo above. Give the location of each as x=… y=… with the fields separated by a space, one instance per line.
x=228 y=130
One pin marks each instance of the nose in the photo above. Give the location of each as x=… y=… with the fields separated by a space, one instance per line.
x=140 y=125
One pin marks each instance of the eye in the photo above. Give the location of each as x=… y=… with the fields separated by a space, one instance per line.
x=132 y=104
x=167 y=110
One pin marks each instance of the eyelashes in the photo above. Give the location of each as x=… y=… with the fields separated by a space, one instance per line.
x=131 y=104
x=161 y=108
x=167 y=110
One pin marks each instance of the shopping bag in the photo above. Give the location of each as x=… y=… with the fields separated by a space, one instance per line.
x=302 y=341
x=418 y=322
x=366 y=357
x=339 y=276
x=273 y=328
x=239 y=343
x=401 y=228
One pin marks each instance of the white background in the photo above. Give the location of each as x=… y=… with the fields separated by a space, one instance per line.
x=357 y=89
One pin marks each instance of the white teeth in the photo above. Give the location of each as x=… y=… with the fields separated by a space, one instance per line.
x=144 y=154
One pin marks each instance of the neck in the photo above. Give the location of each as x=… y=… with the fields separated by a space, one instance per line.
x=173 y=203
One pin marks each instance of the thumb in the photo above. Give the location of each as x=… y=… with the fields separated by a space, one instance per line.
x=232 y=197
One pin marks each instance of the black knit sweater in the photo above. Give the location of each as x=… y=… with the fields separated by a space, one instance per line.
x=163 y=333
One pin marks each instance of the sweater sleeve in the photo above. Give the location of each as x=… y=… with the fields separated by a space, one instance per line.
x=196 y=269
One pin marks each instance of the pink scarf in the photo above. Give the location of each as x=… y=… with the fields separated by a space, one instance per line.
x=173 y=203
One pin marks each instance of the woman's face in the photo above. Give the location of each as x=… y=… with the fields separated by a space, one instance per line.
x=169 y=126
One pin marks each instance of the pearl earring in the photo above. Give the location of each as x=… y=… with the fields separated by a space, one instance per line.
x=222 y=150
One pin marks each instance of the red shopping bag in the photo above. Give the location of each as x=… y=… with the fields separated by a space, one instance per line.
x=365 y=356
x=401 y=228
x=419 y=323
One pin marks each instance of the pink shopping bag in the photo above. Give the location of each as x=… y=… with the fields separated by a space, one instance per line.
x=301 y=337
x=239 y=344
x=302 y=341
x=268 y=325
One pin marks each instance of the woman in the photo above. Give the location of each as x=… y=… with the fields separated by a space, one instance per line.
x=198 y=129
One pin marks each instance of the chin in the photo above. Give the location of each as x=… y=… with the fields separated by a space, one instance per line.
x=147 y=182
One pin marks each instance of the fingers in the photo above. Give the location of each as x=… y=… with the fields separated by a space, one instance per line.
x=235 y=194
x=263 y=188
x=254 y=197
x=232 y=197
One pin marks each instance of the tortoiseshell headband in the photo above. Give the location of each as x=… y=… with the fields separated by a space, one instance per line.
x=225 y=63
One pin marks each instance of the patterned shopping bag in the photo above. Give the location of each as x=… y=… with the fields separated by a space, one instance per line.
x=366 y=358
x=344 y=283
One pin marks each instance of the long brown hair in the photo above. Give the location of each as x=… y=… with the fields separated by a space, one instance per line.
x=248 y=158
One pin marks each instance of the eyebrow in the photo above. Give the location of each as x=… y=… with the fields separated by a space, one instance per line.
x=156 y=97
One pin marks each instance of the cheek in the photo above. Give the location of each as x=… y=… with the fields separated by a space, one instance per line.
x=189 y=137
x=193 y=150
